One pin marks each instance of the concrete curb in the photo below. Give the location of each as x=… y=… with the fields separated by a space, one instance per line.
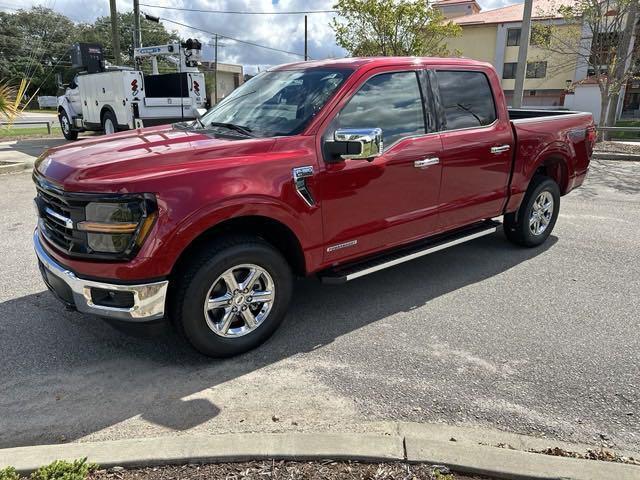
x=615 y=156
x=460 y=456
x=513 y=464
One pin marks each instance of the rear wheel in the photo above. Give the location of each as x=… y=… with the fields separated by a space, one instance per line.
x=65 y=126
x=232 y=296
x=109 y=123
x=532 y=224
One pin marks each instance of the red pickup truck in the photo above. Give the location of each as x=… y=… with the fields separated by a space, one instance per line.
x=335 y=168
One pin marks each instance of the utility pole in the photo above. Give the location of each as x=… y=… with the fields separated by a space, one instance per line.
x=137 y=33
x=521 y=70
x=306 y=57
x=115 y=34
x=215 y=71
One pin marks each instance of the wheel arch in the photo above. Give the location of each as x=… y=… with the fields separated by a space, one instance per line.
x=105 y=109
x=555 y=166
x=273 y=231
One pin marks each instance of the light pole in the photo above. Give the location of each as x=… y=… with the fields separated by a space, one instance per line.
x=521 y=70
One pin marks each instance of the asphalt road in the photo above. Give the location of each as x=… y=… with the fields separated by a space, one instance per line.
x=539 y=341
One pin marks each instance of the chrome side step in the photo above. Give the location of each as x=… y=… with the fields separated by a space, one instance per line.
x=360 y=269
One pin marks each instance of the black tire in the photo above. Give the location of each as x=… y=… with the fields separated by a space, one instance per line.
x=192 y=284
x=517 y=224
x=65 y=126
x=107 y=117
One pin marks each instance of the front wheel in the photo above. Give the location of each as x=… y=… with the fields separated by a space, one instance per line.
x=532 y=224
x=232 y=296
x=65 y=126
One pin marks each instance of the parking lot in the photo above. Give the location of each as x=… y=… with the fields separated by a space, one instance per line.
x=539 y=341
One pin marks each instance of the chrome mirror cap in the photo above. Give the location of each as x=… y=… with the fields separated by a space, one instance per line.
x=370 y=140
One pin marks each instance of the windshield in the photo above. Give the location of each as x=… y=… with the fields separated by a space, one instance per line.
x=276 y=103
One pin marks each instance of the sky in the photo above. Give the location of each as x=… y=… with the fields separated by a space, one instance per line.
x=285 y=32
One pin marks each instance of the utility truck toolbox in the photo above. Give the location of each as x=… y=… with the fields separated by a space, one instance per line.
x=335 y=168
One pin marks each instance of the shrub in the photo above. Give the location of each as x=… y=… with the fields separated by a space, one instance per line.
x=9 y=473
x=63 y=470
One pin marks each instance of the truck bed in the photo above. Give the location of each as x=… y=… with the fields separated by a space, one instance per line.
x=524 y=114
x=561 y=137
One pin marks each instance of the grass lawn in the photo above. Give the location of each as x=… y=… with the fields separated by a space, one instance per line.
x=41 y=110
x=626 y=135
x=13 y=133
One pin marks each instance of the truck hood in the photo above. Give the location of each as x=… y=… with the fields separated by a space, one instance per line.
x=120 y=162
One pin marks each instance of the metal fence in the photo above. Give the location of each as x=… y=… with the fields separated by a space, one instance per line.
x=48 y=123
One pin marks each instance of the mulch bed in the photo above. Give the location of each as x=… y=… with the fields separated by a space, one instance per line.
x=617 y=147
x=276 y=470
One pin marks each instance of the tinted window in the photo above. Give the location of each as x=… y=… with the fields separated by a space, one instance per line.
x=536 y=69
x=390 y=101
x=513 y=37
x=466 y=98
x=509 y=70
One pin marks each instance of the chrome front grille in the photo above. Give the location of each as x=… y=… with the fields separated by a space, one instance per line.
x=58 y=212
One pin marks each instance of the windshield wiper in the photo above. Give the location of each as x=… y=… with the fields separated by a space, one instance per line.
x=232 y=126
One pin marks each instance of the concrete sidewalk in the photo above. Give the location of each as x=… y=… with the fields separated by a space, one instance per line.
x=415 y=445
x=18 y=155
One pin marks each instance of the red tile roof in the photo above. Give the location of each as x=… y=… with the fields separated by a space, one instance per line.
x=513 y=13
x=453 y=2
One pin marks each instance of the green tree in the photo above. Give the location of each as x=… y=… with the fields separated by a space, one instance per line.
x=100 y=32
x=34 y=44
x=392 y=27
x=600 y=37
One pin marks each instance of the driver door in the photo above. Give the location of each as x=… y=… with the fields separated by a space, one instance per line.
x=371 y=205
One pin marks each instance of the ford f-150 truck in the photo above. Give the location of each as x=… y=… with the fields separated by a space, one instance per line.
x=335 y=168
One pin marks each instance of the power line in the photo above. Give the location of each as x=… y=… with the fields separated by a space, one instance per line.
x=239 y=12
x=232 y=38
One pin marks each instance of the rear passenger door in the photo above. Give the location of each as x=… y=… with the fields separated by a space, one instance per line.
x=476 y=148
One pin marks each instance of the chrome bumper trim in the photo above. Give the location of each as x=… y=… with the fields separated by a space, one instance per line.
x=148 y=298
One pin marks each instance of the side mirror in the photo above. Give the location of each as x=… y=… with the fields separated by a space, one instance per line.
x=356 y=144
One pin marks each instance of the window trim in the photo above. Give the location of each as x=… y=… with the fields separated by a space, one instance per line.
x=441 y=114
x=423 y=104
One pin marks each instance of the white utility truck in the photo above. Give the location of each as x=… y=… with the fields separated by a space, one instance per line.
x=106 y=98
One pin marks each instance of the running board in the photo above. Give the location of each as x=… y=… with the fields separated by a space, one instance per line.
x=346 y=273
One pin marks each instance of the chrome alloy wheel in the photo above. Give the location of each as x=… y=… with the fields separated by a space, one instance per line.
x=239 y=300
x=64 y=121
x=541 y=213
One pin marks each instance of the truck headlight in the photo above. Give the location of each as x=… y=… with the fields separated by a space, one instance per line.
x=118 y=227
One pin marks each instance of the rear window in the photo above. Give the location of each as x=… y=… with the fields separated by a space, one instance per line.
x=466 y=98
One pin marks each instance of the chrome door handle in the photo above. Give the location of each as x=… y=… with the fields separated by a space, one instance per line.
x=425 y=162
x=500 y=149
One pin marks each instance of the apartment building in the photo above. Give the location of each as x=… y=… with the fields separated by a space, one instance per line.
x=494 y=36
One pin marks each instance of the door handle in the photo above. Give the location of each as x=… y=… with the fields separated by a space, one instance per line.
x=425 y=162
x=500 y=149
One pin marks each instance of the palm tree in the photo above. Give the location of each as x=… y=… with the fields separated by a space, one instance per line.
x=8 y=107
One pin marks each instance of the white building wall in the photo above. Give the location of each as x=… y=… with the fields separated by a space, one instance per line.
x=586 y=98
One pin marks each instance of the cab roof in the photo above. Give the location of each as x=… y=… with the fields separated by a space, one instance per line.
x=357 y=62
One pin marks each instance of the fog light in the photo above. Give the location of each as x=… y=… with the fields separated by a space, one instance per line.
x=112 y=298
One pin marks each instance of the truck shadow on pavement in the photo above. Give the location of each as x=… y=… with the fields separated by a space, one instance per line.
x=65 y=375
x=33 y=147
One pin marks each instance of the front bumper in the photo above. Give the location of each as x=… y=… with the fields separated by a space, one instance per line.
x=148 y=299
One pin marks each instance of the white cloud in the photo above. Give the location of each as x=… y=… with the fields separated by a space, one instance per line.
x=284 y=32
